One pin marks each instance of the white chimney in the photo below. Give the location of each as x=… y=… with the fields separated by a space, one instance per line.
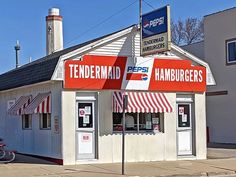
x=54 y=31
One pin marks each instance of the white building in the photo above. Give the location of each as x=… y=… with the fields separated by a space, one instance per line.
x=66 y=106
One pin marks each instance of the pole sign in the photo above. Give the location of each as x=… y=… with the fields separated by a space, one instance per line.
x=121 y=73
x=156 y=35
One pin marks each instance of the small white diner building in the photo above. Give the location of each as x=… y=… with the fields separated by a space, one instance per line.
x=67 y=105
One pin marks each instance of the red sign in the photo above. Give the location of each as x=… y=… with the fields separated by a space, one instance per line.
x=121 y=73
x=177 y=75
x=95 y=72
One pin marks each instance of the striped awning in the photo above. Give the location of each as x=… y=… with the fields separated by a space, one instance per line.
x=20 y=105
x=142 y=102
x=40 y=104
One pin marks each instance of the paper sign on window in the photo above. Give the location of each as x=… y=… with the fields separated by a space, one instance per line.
x=156 y=128
x=86 y=138
x=184 y=118
x=81 y=112
x=181 y=110
x=148 y=125
x=87 y=110
x=155 y=120
x=86 y=119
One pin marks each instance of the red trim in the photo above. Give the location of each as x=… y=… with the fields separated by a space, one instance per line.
x=50 y=159
x=54 y=17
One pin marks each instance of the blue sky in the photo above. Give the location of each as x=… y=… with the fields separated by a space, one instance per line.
x=25 y=21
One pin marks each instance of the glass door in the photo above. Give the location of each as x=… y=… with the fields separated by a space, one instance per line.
x=85 y=130
x=184 y=129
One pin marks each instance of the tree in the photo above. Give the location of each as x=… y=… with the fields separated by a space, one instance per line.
x=187 y=32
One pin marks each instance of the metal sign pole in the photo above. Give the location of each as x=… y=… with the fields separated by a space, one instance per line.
x=125 y=103
x=140 y=25
x=140 y=13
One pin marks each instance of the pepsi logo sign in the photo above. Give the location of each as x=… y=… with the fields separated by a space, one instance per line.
x=136 y=69
x=137 y=73
x=153 y=23
x=144 y=77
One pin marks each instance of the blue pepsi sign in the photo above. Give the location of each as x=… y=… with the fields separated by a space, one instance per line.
x=155 y=22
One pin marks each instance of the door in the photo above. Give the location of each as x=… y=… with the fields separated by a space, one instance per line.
x=184 y=129
x=85 y=130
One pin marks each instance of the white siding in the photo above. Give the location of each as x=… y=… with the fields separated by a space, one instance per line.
x=126 y=46
x=35 y=141
x=139 y=147
x=200 y=125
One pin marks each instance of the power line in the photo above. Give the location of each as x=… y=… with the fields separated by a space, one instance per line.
x=102 y=22
x=149 y=4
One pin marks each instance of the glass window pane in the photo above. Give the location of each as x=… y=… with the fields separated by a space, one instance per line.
x=85 y=115
x=45 y=121
x=145 y=122
x=131 y=121
x=49 y=120
x=26 y=121
x=156 y=122
x=117 y=121
x=183 y=115
x=231 y=51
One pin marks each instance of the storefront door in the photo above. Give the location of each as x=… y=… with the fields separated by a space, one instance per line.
x=184 y=129
x=85 y=130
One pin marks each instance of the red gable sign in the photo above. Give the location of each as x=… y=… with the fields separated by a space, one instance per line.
x=116 y=73
x=95 y=72
x=177 y=75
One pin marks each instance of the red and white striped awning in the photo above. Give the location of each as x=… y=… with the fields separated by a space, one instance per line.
x=142 y=102
x=40 y=104
x=20 y=105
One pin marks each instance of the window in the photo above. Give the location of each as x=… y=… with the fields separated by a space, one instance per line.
x=85 y=115
x=231 y=51
x=27 y=121
x=139 y=122
x=45 y=121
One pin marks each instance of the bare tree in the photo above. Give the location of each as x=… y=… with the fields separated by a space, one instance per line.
x=177 y=35
x=188 y=31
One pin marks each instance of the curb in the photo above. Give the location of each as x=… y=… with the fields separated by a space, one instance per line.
x=223 y=173
x=204 y=174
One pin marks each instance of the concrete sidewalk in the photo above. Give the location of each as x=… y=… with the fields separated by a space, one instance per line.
x=28 y=166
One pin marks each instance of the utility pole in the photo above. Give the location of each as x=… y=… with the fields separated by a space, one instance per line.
x=140 y=12
x=17 y=48
x=140 y=24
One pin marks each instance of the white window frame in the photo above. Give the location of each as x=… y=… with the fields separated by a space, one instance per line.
x=23 y=122
x=48 y=127
x=227 y=42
